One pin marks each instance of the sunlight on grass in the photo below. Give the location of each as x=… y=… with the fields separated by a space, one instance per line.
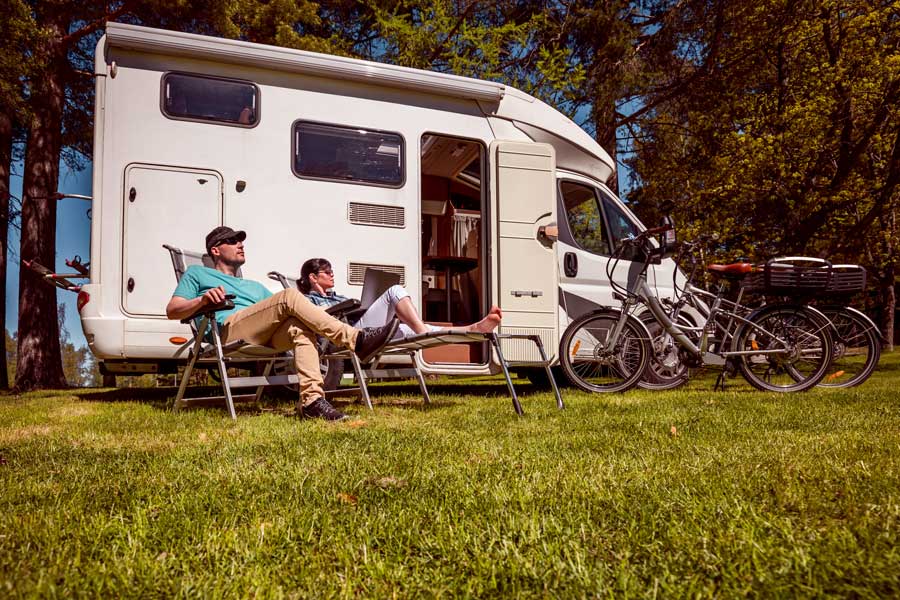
x=691 y=492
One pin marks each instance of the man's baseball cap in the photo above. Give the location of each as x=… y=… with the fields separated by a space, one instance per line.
x=220 y=234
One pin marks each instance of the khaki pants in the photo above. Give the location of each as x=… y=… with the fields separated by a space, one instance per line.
x=286 y=321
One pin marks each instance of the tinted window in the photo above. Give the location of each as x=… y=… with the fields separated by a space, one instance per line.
x=620 y=226
x=210 y=99
x=584 y=217
x=348 y=154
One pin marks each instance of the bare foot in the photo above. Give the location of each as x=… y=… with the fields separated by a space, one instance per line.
x=495 y=310
x=486 y=325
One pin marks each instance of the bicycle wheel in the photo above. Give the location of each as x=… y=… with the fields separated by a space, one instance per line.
x=592 y=364
x=788 y=349
x=665 y=369
x=857 y=347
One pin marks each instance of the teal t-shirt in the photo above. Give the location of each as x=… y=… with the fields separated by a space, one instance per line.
x=197 y=280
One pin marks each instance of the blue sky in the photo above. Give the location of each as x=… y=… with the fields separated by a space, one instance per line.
x=73 y=237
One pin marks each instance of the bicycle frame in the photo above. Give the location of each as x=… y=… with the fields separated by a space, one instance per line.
x=640 y=289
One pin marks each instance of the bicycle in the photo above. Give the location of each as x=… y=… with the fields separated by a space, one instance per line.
x=780 y=347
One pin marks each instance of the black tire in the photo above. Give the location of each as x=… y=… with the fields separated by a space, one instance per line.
x=794 y=349
x=665 y=370
x=590 y=366
x=332 y=372
x=857 y=347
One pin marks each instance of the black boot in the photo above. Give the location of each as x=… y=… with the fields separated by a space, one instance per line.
x=322 y=409
x=371 y=340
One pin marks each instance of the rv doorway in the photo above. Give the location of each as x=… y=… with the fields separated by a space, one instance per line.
x=453 y=252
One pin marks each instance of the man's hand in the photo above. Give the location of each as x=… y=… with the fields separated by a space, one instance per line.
x=214 y=296
x=180 y=308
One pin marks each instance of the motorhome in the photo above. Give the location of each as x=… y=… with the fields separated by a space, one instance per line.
x=474 y=192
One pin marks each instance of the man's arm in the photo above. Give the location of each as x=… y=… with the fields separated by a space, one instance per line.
x=180 y=308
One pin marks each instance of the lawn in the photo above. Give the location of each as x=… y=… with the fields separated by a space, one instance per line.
x=691 y=492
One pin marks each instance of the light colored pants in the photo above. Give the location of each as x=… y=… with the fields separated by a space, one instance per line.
x=384 y=308
x=288 y=321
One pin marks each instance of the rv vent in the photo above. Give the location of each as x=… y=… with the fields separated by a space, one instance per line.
x=357 y=272
x=525 y=350
x=380 y=215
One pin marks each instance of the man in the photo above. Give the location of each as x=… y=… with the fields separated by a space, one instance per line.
x=286 y=320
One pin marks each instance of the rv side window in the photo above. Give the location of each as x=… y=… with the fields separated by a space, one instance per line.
x=584 y=217
x=348 y=154
x=200 y=98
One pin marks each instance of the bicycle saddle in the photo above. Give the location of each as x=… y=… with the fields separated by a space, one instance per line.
x=732 y=271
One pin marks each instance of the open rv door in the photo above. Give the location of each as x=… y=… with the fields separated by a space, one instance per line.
x=524 y=200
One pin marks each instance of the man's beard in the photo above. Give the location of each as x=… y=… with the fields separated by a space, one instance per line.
x=235 y=263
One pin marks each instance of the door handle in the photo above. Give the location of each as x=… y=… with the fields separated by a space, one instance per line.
x=570 y=264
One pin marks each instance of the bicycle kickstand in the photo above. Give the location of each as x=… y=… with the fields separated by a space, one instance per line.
x=720 y=381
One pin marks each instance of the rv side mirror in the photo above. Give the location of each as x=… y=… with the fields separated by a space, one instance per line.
x=667 y=239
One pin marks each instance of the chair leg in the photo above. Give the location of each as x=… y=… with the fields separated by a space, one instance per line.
x=512 y=390
x=540 y=345
x=259 y=390
x=195 y=354
x=223 y=370
x=361 y=380
x=421 y=379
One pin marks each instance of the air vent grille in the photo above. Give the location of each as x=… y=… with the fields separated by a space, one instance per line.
x=357 y=272
x=379 y=215
x=526 y=350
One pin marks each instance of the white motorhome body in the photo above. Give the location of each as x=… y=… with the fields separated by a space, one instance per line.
x=448 y=181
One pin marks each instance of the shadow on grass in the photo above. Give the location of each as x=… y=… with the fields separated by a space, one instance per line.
x=396 y=394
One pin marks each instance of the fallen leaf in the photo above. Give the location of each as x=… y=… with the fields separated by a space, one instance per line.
x=357 y=424
x=673 y=431
x=347 y=498
x=162 y=556
x=389 y=482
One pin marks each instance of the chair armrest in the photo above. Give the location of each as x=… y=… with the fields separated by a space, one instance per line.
x=340 y=309
x=209 y=311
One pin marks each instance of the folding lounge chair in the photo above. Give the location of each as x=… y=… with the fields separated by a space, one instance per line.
x=206 y=347
x=408 y=346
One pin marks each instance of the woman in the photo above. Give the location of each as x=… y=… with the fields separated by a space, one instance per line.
x=317 y=283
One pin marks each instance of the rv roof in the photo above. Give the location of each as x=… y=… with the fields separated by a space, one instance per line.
x=161 y=41
x=496 y=99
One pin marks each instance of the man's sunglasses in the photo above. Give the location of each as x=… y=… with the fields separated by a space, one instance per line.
x=227 y=242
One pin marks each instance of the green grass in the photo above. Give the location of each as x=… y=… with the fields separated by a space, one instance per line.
x=692 y=492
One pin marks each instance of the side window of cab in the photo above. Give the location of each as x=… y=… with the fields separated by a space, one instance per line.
x=620 y=227
x=584 y=217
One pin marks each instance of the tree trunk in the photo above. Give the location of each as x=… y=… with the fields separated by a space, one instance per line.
x=39 y=358
x=5 y=168
x=604 y=117
x=889 y=303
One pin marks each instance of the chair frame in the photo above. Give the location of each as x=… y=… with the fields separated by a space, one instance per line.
x=410 y=345
x=220 y=355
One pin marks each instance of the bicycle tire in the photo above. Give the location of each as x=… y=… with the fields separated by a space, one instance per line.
x=665 y=370
x=854 y=336
x=795 y=330
x=590 y=366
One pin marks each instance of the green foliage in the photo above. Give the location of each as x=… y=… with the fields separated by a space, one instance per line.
x=79 y=365
x=676 y=494
x=783 y=132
